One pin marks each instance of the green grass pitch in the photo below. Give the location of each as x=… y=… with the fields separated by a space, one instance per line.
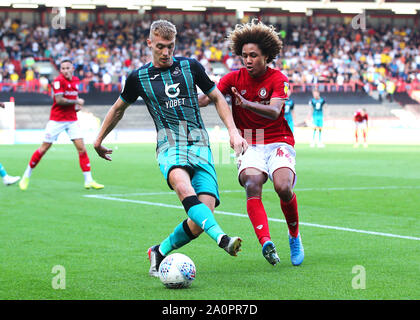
x=359 y=213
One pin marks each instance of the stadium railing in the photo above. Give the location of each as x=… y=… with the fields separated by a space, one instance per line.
x=25 y=86
x=325 y=87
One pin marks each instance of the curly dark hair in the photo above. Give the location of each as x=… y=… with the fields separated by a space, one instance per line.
x=256 y=32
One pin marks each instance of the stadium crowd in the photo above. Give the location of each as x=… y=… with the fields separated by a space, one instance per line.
x=106 y=53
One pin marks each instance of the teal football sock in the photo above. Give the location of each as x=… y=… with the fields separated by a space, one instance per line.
x=203 y=217
x=3 y=172
x=178 y=238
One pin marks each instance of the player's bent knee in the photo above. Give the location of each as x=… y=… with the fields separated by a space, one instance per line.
x=180 y=181
x=284 y=190
x=253 y=188
x=183 y=190
x=253 y=183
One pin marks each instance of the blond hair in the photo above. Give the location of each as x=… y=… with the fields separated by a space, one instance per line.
x=256 y=32
x=163 y=28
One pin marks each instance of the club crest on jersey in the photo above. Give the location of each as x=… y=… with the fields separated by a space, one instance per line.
x=176 y=72
x=172 y=91
x=262 y=93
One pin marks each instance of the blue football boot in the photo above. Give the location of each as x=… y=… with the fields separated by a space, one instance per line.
x=269 y=252
x=296 y=250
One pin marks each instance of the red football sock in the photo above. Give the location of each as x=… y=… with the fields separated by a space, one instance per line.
x=36 y=157
x=258 y=217
x=84 y=161
x=364 y=136
x=356 y=136
x=290 y=212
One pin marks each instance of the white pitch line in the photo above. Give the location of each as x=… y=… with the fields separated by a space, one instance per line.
x=268 y=190
x=157 y=193
x=390 y=235
x=357 y=188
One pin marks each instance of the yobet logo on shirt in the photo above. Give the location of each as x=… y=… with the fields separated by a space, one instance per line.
x=172 y=91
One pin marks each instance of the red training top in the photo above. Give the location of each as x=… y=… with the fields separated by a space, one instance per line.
x=68 y=88
x=358 y=116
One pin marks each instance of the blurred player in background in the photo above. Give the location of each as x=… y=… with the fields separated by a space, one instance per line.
x=168 y=87
x=289 y=114
x=63 y=117
x=318 y=105
x=361 y=126
x=7 y=180
x=258 y=95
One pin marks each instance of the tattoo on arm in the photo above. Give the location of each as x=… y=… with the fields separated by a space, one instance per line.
x=64 y=101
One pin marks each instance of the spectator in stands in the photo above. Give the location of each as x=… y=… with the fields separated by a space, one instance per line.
x=320 y=53
x=43 y=84
x=14 y=77
x=390 y=89
x=381 y=89
x=29 y=74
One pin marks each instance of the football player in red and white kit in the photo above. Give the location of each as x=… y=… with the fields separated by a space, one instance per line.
x=258 y=95
x=63 y=117
x=360 y=118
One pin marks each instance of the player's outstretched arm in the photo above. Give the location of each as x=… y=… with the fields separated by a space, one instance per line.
x=237 y=143
x=112 y=118
x=1 y=104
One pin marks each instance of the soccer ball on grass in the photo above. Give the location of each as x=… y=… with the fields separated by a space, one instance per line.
x=177 y=271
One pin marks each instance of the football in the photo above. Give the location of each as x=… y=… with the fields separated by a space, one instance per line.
x=177 y=271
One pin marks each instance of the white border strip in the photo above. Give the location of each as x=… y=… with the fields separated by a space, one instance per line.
x=390 y=235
